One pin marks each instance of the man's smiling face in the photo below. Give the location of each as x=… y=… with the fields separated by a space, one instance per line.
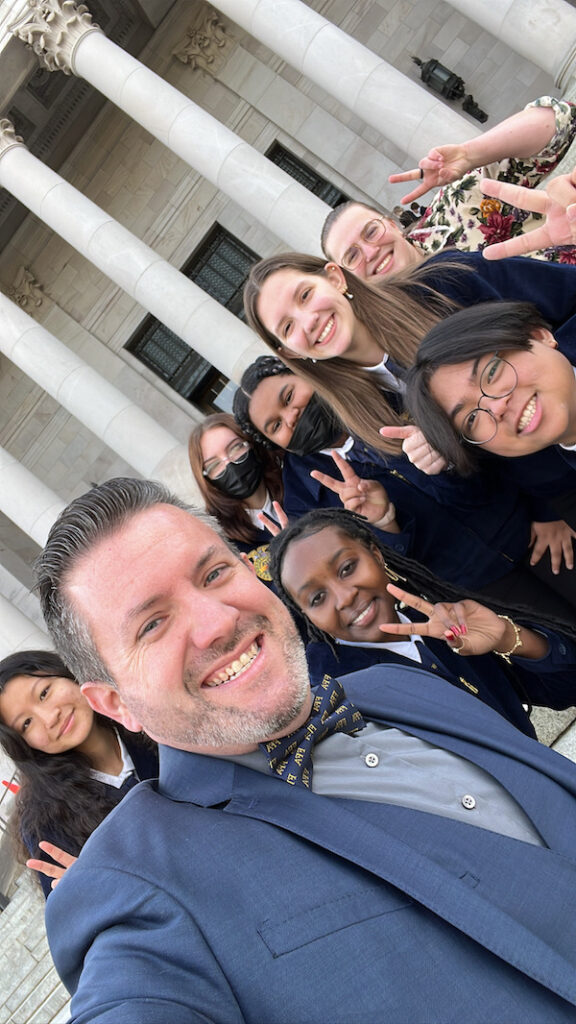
x=205 y=658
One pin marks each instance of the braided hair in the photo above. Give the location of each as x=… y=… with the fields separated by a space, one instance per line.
x=259 y=370
x=414 y=576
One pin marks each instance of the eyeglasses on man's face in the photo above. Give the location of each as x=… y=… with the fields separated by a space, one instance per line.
x=237 y=451
x=373 y=232
x=497 y=380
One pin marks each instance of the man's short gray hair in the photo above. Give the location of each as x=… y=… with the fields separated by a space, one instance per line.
x=85 y=522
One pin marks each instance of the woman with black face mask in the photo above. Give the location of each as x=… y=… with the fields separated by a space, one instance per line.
x=238 y=479
x=475 y=534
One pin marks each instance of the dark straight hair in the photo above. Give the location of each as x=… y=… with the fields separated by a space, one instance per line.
x=57 y=792
x=484 y=329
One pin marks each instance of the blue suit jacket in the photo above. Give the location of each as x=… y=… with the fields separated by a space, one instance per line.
x=222 y=894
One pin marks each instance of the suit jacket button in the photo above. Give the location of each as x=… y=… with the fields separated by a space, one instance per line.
x=468 y=802
x=371 y=760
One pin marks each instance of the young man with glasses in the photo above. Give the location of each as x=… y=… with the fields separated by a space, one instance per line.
x=522 y=150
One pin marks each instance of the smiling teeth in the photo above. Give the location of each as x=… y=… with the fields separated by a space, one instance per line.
x=322 y=337
x=235 y=667
x=360 y=618
x=384 y=263
x=527 y=415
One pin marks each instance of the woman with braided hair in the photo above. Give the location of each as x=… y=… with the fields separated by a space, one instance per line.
x=332 y=569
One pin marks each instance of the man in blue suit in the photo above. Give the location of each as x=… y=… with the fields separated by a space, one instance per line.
x=424 y=872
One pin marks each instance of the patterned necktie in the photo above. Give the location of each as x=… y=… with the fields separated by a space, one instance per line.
x=290 y=757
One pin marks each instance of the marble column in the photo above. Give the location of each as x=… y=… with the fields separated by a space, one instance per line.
x=110 y=415
x=209 y=328
x=406 y=113
x=543 y=32
x=18 y=632
x=25 y=500
x=65 y=38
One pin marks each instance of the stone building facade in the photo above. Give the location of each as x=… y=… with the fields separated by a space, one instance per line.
x=59 y=433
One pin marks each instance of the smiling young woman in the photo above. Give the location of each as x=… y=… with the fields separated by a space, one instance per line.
x=354 y=341
x=495 y=378
x=73 y=765
x=333 y=569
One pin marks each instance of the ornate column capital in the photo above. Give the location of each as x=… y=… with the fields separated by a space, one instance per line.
x=204 y=39
x=8 y=137
x=53 y=29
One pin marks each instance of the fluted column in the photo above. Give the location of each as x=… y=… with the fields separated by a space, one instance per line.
x=18 y=632
x=543 y=32
x=110 y=415
x=65 y=38
x=209 y=328
x=406 y=113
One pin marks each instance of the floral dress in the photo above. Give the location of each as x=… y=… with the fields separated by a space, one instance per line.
x=461 y=215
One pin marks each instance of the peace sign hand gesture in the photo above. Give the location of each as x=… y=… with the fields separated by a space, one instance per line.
x=367 y=498
x=467 y=626
x=442 y=165
x=557 y=204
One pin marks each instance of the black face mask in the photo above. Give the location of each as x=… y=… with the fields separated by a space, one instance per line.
x=318 y=427
x=240 y=479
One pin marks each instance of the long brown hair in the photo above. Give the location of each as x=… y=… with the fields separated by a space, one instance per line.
x=230 y=512
x=397 y=315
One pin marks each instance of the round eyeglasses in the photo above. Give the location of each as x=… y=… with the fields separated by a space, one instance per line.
x=372 y=233
x=237 y=451
x=497 y=380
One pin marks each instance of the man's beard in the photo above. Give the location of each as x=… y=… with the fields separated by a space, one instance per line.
x=204 y=725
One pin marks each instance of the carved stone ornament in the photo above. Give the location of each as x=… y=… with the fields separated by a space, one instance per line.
x=203 y=43
x=53 y=29
x=8 y=137
x=26 y=290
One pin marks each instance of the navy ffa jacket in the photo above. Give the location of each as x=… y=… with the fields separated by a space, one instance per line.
x=468 y=532
x=549 y=681
x=250 y=900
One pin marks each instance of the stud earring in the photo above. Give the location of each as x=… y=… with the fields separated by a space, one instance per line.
x=349 y=296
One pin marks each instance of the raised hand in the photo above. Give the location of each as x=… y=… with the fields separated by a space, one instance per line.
x=442 y=165
x=467 y=626
x=557 y=205
x=557 y=537
x=271 y=525
x=53 y=871
x=367 y=498
x=417 y=449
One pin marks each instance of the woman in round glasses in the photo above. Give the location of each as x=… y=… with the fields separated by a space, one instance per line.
x=494 y=378
x=238 y=479
x=476 y=533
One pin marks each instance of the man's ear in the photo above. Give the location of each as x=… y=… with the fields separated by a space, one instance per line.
x=107 y=701
x=336 y=276
x=248 y=562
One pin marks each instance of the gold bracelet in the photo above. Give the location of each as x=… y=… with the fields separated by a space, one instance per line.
x=517 y=641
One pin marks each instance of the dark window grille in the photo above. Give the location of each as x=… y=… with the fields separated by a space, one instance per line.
x=306 y=175
x=219 y=266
